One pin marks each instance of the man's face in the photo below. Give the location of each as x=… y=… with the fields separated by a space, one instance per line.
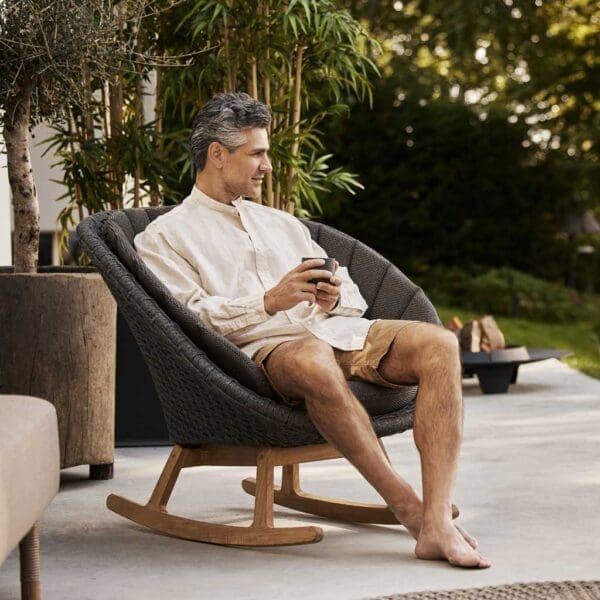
x=243 y=169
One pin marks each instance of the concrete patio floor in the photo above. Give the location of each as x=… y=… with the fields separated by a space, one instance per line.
x=528 y=488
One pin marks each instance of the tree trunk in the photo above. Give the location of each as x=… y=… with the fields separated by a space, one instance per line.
x=267 y=99
x=20 y=176
x=77 y=188
x=158 y=130
x=253 y=78
x=138 y=104
x=230 y=81
x=296 y=115
x=115 y=94
x=88 y=116
x=105 y=111
x=116 y=102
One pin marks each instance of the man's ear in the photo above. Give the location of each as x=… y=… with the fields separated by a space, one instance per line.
x=215 y=153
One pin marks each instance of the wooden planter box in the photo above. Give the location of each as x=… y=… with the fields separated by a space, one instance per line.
x=58 y=342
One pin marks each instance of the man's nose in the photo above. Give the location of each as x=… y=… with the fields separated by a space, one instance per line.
x=266 y=165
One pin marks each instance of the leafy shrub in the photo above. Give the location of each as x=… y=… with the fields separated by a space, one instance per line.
x=596 y=327
x=507 y=291
x=510 y=292
x=447 y=285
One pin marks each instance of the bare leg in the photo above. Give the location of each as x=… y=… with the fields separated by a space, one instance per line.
x=340 y=418
x=344 y=423
x=430 y=355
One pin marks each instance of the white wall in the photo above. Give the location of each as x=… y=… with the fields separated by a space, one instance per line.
x=43 y=173
x=48 y=191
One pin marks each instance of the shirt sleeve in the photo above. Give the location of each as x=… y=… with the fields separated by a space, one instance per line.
x=223 y=315
x=351 y=302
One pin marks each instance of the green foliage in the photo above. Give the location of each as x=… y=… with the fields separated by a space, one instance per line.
x=537 y=60
x=445 y=187
x=575 y=336
x=89 y=170
x=304 y=58
x=52 y=46
x=595 y=318
x=485 y=133
x=498 y=289
x=507 y=291
x=52 y=51
x=447 y=285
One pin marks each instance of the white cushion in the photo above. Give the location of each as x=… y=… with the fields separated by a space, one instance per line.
x=29 y=465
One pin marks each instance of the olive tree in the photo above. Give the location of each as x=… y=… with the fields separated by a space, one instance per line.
x=50 y=52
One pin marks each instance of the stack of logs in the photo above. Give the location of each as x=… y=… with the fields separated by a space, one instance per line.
x=479 y=335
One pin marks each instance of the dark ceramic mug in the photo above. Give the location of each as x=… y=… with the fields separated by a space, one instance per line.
x=328 y=266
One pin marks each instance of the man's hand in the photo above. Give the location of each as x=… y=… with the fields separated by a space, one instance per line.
x=295 y=287
x=328 y=294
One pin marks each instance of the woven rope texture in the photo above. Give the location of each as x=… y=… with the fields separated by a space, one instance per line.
x=560 y=590
x=212 y=393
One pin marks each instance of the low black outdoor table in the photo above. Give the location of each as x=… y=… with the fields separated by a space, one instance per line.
x=498 y=369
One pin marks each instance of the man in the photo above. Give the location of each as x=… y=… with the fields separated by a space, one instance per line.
x=237 y=265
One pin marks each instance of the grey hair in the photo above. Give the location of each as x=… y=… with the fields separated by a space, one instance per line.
x=223 y=119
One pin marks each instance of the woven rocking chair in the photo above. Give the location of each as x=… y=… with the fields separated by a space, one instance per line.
x=217 y=404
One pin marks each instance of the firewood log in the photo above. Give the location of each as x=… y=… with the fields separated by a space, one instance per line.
x=455 y=324
x=491 y=336
x=470 y=337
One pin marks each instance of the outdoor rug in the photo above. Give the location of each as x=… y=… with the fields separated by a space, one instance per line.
x=549 y=590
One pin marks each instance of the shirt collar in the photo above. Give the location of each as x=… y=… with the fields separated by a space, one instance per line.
x=198 y=196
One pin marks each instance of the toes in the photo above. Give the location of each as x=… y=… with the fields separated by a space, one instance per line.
x=473 y=561
x=455 y=545
x=468 y=538
x=467 y=557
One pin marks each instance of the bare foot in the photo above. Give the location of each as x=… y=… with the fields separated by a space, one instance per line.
x=468 y=537
x=411 y=519
x=448 y=542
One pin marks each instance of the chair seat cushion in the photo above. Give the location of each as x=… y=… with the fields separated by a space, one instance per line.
x=29 y=465
x=379 y=400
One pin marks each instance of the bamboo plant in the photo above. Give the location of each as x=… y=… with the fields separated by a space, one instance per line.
x=304 y=58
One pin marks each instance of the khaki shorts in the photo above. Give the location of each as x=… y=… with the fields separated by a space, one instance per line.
x=361 y=365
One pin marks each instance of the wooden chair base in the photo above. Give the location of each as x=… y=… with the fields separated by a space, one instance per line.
x=291 y=495
x=262 y=531
x=211 y=533
x=332 y=508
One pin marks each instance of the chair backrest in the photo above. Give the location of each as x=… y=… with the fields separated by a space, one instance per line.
x=120 y=231
x=388 y=292
x=210 y=391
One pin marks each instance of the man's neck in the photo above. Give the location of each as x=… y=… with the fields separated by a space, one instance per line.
x=213 y=190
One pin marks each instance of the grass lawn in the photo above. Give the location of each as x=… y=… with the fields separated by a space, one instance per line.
x=576 y=337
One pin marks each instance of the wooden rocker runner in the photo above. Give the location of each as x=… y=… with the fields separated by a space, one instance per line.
x=218 y=406
x=262 y=531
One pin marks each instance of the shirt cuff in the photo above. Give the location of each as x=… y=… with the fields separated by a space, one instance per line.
x=348 y=305
x=255 y=306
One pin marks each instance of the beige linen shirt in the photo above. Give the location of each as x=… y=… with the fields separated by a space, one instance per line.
x=219 y=260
